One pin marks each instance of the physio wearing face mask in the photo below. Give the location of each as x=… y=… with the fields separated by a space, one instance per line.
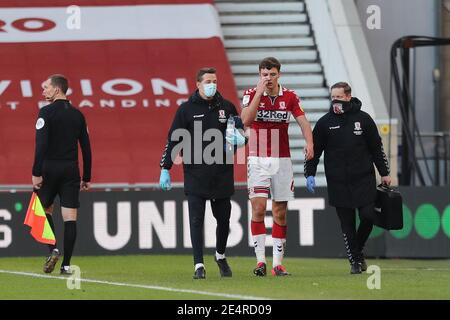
x=340 y=106
x=204 y=112
x=210 y=89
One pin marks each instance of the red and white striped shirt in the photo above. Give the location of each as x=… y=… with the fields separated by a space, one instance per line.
x=269 y=132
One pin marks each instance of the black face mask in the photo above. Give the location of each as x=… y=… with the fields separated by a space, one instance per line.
x=340 y=106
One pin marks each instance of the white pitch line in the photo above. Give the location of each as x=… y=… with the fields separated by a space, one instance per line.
x=131 y=285
x=415 y=269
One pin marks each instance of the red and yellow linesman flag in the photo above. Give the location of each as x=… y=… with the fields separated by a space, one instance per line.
x=37 y=220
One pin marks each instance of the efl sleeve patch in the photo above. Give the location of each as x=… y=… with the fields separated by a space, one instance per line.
x=40 y=123
x=245 y=100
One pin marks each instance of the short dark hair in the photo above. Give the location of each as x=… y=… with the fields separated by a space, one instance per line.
x=343 y=85
x=203 y=71
x=269 y=63
x=59 y=81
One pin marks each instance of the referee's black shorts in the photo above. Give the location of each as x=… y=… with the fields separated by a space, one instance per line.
x=61 y=178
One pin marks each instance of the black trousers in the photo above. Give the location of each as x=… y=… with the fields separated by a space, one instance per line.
x=355 y=240
x=221 y=209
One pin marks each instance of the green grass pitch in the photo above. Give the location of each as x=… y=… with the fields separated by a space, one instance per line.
x=170 y=277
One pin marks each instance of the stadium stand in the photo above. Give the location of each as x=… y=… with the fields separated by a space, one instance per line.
x=256 y=29
x=127 y=77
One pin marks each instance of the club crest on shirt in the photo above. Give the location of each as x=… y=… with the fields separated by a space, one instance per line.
x=262 y=104
x=358 y=130
x=282 y=105
x=222 y=116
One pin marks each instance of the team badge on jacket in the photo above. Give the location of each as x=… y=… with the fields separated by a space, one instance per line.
x=222 y=116
x=358 y=131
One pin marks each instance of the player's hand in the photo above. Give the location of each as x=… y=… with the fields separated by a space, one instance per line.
x=309 y=151
x=386 y=180
x=84 y=186
x=37 y=182
x=261 y=86
x=164 y=180
x=310 y=184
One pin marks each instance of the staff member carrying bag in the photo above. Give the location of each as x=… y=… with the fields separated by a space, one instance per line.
x=349 y=138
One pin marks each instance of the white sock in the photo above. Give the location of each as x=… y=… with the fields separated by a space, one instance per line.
x=259 y=242
x=278 y=244
x=198 y=265
x=220 y=256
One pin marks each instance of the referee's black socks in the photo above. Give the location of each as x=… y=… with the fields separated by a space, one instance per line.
x=50 y=222
x=70 y=235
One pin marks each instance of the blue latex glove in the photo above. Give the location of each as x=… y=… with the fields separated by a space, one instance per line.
x=164 y=180
x=310 y=184
x=237 y=139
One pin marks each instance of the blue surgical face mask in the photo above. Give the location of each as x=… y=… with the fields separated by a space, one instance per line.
x=210 y=89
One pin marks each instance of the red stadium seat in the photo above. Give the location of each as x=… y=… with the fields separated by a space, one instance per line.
x=128 y=85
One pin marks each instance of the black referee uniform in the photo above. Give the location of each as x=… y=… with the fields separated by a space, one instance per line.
x=202 y=181
x=59 y=128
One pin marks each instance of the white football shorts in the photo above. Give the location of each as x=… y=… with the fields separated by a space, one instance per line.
x=270 y=175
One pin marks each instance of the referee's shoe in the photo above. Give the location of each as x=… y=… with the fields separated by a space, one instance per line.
x=51 y=261
x=224 y=268
x=66 y=270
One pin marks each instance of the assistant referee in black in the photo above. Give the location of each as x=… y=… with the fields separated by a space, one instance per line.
x=205 y=110
x=59 y=128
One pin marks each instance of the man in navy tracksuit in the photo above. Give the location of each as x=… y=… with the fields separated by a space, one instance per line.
x=349 y=138
x=206 y=109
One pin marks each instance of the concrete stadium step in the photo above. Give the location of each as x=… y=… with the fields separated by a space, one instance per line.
x=316 y=104
x=298 y=155
x=311 y=92
x=285 y=68
x=296 y=143
x=265 y=30
x=260 y=6
x=268 y=18
x=285 y=56
x=294 y=130
x=305 y=80
x=311 y=116
x=298 y=135
x=310 y=111
x=269 y=43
